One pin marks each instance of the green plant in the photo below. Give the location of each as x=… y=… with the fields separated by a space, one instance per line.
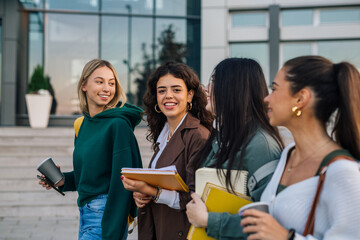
x=37 y=81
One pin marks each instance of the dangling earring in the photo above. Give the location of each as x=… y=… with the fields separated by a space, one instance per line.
x=189 y=106
x=158 y=111
x=296 y=112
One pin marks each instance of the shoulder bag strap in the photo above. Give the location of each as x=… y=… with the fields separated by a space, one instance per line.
x=309 y=226
x=77 y=124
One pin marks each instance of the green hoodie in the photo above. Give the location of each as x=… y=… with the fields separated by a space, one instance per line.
x=105 y=144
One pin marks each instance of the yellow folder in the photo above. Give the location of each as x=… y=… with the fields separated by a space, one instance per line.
x=218 y=199
x=166 y=179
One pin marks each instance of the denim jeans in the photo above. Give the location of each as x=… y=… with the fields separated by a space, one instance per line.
x=90 y=219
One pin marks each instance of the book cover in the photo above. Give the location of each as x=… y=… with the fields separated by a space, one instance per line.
x=209 y=175
x=218 y=199
x=166 y=178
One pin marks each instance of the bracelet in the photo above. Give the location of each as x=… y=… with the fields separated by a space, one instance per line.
x=291 y=234
x=156 y=197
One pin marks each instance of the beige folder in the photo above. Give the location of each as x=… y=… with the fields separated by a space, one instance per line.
x=209 y=175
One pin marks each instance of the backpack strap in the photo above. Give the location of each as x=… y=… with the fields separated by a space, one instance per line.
x=260 y=174
x=77 y=124
x=309 y=226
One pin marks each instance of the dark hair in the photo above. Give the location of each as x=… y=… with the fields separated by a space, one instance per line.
x=238 y=93
x=156 y=120
x=337 y=87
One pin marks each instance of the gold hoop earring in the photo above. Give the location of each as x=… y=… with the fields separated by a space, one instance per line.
x=296 y=112
x=158 y=111
x=189 y=106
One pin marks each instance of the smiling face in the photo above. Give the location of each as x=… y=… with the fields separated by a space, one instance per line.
x=99 y=88
x=280 y=101
x=172 y=97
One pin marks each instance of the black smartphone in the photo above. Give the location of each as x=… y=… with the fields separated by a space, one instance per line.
x=50 y=184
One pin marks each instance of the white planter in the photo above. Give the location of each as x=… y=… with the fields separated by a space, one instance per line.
x=38 y=107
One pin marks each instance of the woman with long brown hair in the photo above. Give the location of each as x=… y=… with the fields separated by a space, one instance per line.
x=179 y=126
x=242 y=139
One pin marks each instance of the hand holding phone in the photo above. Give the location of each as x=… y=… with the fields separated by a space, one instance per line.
x=50 y=184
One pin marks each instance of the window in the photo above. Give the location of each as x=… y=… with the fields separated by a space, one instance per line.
x=309 y=17
x=128 y=6
x=165 y=28
x=70 y=42
x=249 y=19
x=336 y=51
x=125 y=32
x=291 y=50
x=36 y=46
x=32 y=3
x=171 y=8
x=340 y=15
x=297 y=17
x=78 y=5
x=256 y=51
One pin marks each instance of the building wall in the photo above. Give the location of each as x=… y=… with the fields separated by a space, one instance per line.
x=270 y=41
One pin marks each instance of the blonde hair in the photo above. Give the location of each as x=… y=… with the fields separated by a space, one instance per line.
x=89 y=68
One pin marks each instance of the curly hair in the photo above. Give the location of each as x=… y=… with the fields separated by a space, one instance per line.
x=156 y=120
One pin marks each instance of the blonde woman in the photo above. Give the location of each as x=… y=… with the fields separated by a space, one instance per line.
x=105 y=143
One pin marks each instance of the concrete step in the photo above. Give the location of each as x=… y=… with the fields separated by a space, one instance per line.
x=13 y=173
x=20 y=184
x=37 y=211
x=36 y=141
x=32 y=161
x=27 y=131
x=39 y=198
x=40 y=151
x=21 y=150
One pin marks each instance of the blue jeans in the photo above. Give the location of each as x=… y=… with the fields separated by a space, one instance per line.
x=90 y=219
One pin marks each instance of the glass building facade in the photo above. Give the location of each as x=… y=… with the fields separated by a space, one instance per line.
x=63 y=35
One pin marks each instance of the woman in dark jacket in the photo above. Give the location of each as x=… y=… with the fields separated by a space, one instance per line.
x=179 y=126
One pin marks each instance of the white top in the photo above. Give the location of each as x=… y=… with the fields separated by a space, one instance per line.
x=170 y=198
x=338 y=211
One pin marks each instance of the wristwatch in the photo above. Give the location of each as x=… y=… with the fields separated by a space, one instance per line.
x=291 y=234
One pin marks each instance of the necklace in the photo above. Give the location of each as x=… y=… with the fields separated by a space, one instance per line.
x=307 y=157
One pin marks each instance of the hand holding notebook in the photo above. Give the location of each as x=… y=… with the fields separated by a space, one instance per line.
x=166 y=178
x=218 y=199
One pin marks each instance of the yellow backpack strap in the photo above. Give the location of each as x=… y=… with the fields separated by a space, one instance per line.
x=77 y=125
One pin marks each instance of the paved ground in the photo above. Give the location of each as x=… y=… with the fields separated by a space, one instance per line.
x=42 y=228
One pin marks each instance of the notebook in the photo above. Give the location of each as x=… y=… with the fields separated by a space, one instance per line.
x=218 y=199
x=166 y=178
